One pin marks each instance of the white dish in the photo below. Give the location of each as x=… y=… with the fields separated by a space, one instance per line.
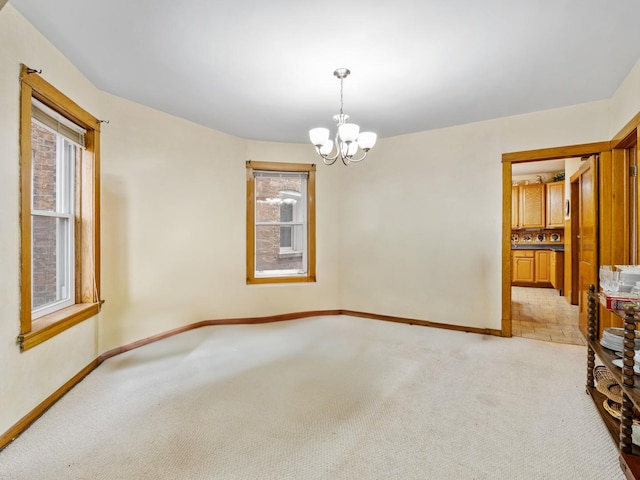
x=616 y=347
x=617 y=334
x=618 y=363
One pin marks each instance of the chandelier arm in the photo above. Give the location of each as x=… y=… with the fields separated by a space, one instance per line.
x=355 y=160
x=328 y=160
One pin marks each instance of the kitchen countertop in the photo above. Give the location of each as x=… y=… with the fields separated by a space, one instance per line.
x=558 y=247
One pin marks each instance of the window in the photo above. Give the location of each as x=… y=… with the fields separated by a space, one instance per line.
x=292 y=212
x=280 y=222
x=286 y=232
x=59 y=217
x=53 y=160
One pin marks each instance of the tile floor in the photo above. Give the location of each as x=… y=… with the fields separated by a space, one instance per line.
x=542 y=314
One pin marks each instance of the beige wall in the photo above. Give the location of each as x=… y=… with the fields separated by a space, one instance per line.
x=414 y=231
x=174 y=210
x=626 y=101
x=421 y=230
x=28 y=378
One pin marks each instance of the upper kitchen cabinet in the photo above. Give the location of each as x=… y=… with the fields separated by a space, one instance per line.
x=555 y=204
x=515 y=207
x=537 y=205
x=532 y=206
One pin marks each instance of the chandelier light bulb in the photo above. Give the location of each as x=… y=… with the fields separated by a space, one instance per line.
x=348 y=139
x=319 y=136
x=367 y=140
x=348 y=132
x=327 y=147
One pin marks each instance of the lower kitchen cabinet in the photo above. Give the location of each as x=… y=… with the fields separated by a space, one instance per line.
x=522 y=269
x=543 y=266
x=537 y=268
x=557 y=271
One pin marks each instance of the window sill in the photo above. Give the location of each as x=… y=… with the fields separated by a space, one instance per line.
x=289 y=254
x=49 y=326
x=263 y=280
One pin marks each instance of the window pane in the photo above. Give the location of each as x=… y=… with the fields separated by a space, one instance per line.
x=50 y=260
x=286 y=237
x=270 y=258
x=44 y=168
x=277 y=197
x=286 y=212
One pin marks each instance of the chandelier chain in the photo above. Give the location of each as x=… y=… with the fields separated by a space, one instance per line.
x=341 y=95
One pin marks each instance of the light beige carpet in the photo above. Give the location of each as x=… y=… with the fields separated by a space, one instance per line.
x=324 y=398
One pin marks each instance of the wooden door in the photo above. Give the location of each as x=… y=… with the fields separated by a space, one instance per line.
x=587 y=178
x=543 y=263
x=634 y=197
x=532 y=206
x=555 y=204
x=571 y=238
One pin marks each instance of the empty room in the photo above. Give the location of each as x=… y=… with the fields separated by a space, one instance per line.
x=338 y=240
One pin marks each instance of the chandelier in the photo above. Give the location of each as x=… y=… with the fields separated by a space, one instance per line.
x=348 y=141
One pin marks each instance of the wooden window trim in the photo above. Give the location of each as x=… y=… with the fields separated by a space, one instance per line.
x=311 y=221
x=87 y=222
x=49 y=326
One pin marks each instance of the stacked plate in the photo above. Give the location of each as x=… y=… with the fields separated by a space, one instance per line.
x=636 y=363
x=612 y=339
x=629 y=275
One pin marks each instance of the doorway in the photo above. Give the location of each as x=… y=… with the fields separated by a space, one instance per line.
x=617 y=216
x=540 y=309
x=575 y=152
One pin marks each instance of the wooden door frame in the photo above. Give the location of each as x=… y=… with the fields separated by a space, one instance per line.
x=508 y=159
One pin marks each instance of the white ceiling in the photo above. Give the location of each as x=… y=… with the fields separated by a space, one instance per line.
x=264 y=69
x=543 y=166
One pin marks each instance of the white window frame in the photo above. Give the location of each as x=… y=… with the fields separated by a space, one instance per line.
x=298 y=241
x=65 y=231
x=297 y=200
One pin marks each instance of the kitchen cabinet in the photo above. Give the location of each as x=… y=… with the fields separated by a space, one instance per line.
x=523 y=270
x=543 y=266
x=555 y=204
x=557 y=270
x=537 y=268
x=539 y=205
x=515 y=207
x=532 y=206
